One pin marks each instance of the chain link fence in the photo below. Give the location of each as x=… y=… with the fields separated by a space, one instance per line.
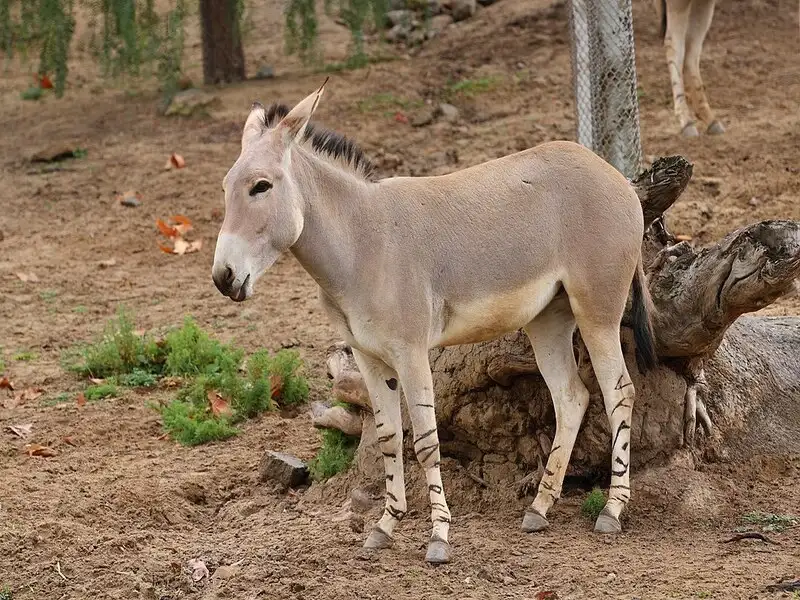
x=604 y=75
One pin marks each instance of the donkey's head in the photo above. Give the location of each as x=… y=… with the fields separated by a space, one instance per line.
x=263 y=207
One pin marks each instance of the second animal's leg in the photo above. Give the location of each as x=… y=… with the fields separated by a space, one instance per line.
x=384 y=393
x=603 y=343
x=678 y=12
x=551 y=337
x=702 y=12
x=417 y=381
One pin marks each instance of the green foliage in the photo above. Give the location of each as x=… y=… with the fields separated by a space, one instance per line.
x=300 y=20
x=471 y=87
x=34 y=92
x=138 y=378
x=120 y=350
x=334 y=456
x=771 y=522
x=5 y=593
x=98 y=392
x=192 y=352
x=25 y=356
x=593 y=504
x=191 y=425
x=2 y=365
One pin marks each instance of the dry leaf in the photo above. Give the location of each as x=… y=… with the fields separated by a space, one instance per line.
x=39 y=450
x=683 y=238
x=104 y=264
x=219 y=406
x=276 y=385
x=546 y=595
x=165 y=229
x=27 y=395
x=182 y=246
x=22 y=431
x=198 y=569
x=5 y=384
x=81 y=399
x=45 y=82
x=183 y=226
x=177 y=161
x=28 y=277
x=68 y=440
x=97 y=381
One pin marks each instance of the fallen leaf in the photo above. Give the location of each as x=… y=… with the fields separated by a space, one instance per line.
x=27 y=395
x=183 y=226
x=130 y=198
x=546 y=595
x=45 y=83
x=219 y=406
x=400 y=118
x=166 y=230
x=182 y=247
x=97 y=381
x=81 y=399
x=5 y=384
x=22 y=431
x=177 y=161
x=68 y=440
x=110 y=262
x=198 y=569
x=39 y=450
x=276 y=385
x=28 y=277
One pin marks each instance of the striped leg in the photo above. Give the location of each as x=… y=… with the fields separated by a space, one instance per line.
x=609 y=366
x=418 y=388
x=702 y=12
x=551 y=337
x=674 y=45
x=384 y=393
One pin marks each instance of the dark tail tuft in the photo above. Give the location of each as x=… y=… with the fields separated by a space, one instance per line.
x=662 y=12
x=641 y=313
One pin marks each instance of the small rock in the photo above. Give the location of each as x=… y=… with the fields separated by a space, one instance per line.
x=463 y=9
x=423 y=117
x=399 y=17
x=265 y=72
x=416 y=37
x=190 y=102
x=398 y=33
x=610 y=577
x=440 y=22
x=283 y=469
x=508 y=580
x=434 y=7
x=449 y=112
x=754 y=201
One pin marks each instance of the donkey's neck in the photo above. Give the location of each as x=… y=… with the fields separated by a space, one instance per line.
x=336 y=211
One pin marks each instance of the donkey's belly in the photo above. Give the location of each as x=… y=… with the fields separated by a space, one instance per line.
x=490 y=316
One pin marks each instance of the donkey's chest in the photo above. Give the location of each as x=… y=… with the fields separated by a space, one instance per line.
x=491 y=315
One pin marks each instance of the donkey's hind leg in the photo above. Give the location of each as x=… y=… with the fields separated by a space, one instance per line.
x=551 y=337
x=605 y=350
x=384 y=393
x=702 y=12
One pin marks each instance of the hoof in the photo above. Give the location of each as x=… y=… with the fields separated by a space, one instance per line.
x=378 y=539
x=716 y=128
x=533 y=521
x=438 y=552
x=607 y=523
x=690 y=131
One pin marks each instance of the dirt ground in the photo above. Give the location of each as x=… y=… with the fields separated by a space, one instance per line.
x=120 y=510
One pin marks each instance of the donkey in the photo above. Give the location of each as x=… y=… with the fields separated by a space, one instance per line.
x=541 y=240
x=684 y=25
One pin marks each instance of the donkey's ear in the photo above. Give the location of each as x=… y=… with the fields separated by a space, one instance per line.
x=254 y=126
x=294 y=124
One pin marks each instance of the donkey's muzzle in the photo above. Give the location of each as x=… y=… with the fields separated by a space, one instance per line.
x=225 y=280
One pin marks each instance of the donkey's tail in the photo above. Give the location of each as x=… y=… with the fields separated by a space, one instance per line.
x=642 y=310
x=661 y=12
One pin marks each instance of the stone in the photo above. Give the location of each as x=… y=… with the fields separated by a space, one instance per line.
x=190 y=102
x=463 y=9
x=265 y=72
x=439 y=23
x=423 y=117
x=449 y=112
x=399 y=17
x=398 y=33
x=283 y=469
x=416 y=37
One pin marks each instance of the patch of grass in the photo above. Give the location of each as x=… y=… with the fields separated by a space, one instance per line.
x=334 y=456
x=771 y=522
x=2 y=365
x=191 y=425
x=98 y=392
x=80 y=310
x=192 y=352
x=593 y=504
x=26 y=356
x=62 y=398
x=137 y=378
x=34 y=92
x=48 y=295
x=5 y=593
x=471 y=87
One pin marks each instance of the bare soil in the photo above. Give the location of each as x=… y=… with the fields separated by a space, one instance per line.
x=120 y=510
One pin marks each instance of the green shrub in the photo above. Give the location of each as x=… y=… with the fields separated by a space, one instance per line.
x=138 y=378
x=191 y=352
x=5 y=593
x=98 y=392
x=593 y=504
x=334 y=456
x=191 y=425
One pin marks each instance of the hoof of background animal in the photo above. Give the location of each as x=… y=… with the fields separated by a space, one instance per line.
x=378 y=539
x=607 y=523
x=690 y=131
x=533 y=521
x=438 y=552
x=716 y=128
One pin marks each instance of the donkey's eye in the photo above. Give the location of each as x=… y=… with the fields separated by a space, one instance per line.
x=259 y=188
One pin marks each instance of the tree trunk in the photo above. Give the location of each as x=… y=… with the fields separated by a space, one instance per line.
x=223 y=57
x=737 y=378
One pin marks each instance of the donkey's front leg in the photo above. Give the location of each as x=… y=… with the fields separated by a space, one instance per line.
x=415 y=376
x=384 y=393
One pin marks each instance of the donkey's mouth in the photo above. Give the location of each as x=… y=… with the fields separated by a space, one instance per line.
x=241 y=294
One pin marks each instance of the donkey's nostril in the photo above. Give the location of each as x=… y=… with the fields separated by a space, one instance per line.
x=223 y=279
x=228 y=276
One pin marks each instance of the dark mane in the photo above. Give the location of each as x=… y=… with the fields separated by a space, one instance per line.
x=326 y=142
